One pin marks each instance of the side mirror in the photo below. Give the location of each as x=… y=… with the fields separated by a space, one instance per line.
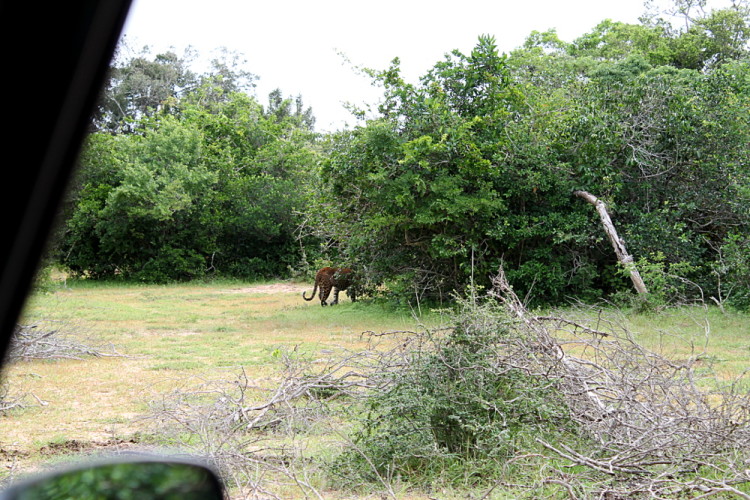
x=141 y=479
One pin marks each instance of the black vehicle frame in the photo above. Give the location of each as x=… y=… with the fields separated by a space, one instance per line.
x=56 y=55
x=55 y=59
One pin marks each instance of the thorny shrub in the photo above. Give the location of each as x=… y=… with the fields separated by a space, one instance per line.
x=463 y=404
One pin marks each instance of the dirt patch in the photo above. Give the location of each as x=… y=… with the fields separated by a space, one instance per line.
x=12 y=455
x=273 y=288
x=21 y=463
x=76 y=446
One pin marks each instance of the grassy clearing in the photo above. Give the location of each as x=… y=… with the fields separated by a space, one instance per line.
x=720 y=340
x=167 y=335
x=181 y=335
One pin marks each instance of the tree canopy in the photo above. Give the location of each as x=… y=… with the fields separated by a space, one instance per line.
x=473 y=165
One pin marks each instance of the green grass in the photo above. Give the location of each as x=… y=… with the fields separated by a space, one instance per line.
x=166 y=333
x=721 y=341
x=174 y=336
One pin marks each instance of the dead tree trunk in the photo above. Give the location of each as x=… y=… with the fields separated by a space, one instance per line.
x=622 y=254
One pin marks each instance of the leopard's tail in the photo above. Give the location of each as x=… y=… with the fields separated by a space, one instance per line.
x=315 y=290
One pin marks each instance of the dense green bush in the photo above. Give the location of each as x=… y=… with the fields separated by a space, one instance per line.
x=458 y=407
x=203 y=188
x=459 y=173
x=476 y=165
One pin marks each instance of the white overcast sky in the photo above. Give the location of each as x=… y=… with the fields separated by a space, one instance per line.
x=296 y=45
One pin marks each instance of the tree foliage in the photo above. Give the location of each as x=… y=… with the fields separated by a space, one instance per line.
x=142 y=85
x=205 y=183
x=475 y=164
x=471 y=166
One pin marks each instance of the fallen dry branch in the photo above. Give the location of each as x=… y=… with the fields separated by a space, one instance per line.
x=9 y=402
x=43 y=341
x=657 y=428
x=618 y=245
x=255 y=434
x=206 y=419
x=250 y=432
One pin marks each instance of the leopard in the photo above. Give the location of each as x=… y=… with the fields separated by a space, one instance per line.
x=336 y=278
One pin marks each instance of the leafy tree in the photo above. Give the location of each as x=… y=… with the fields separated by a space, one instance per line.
x=477 y=162
x=454 y=177
x=263 y=160
x=139 y=87
x=713 y=39
x=473 y=165
x=612 y=41
x=211 y=186
x=142 y=85
x=281 y=109
x=673 y=142
x=706 y=39
x=141 y=225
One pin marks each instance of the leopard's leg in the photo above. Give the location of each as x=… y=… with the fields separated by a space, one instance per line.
x=324 y=292
x=335 y=296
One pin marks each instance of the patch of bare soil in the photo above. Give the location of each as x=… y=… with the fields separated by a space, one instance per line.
x=7 y=455
x=9 y=460
x=76 y=446
x=18 y=463
x=273 y=288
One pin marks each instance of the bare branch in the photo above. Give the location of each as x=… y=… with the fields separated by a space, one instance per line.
x=41 y=341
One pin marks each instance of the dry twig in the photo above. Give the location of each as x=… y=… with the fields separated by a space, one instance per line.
x=40 y=341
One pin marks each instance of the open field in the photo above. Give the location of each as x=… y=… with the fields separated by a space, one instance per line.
x=158 y=338
x=164 y=337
